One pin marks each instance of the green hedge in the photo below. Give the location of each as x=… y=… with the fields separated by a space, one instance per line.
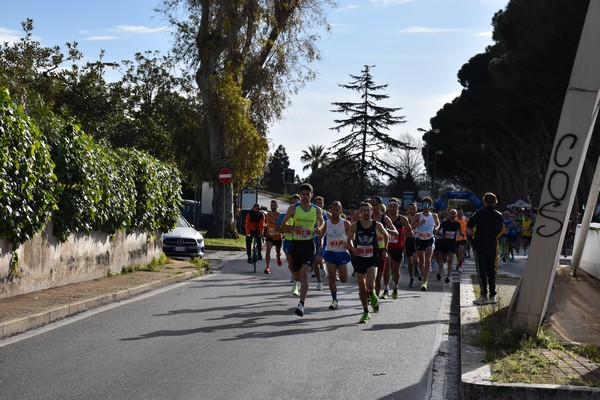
x=28 y=188
x=81 y=185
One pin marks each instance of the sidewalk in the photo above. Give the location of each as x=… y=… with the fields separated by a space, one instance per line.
x=562 y=366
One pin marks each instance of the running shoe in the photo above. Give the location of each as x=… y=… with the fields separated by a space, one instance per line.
x=249 y=260
x=460 y=270
x=365 y=318
x=333 y=305
x=299 y=310
x=481 y=300
x=412 y=283
x=385 y=295
x=268 y=270
x=424 y=286
x=376 y=308
x=319 y=285
x=279 y=261
x=374 y=300
x=447 y=280
x=295 y=290
x=438 y=276
x=395 y=294
x=491 y=300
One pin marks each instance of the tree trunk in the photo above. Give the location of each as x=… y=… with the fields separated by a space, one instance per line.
x=223 y=222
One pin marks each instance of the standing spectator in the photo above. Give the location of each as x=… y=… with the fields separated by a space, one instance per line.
x=488 y=226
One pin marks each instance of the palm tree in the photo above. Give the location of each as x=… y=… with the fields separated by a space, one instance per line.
x=315 y=157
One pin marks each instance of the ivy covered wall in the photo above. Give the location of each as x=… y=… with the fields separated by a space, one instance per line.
x=81 y=186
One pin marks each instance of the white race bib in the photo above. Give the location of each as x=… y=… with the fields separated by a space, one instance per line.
x=425 y=235
x=336 y=245
x=365 y=251
x=303 y=233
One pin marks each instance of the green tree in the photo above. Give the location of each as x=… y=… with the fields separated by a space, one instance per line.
x=255 y=52
x=278 y=163
x=511 y=102
x=315 y=157
x=34 y=74
x=367 y=121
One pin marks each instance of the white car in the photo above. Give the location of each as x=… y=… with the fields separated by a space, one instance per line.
x=183 y=241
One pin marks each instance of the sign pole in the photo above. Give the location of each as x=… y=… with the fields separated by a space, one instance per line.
x=225 y=177
x=224 y=196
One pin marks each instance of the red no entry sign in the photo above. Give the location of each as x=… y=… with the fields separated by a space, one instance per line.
x=225 y=176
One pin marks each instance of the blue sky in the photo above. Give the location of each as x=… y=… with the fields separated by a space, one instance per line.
x=417 y=47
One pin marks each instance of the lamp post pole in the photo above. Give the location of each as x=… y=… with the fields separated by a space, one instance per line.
x=428 y=135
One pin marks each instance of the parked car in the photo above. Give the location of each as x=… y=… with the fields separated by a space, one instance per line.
x=183 y=241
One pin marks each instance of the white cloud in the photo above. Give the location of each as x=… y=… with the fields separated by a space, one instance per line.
x=8 y=35
x=99 y=38
x=349 y=7
x=425 y=29
x=485 y=34
x=138 y=29
x=388 y=2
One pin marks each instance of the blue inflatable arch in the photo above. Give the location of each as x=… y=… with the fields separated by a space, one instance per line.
x=442 y=202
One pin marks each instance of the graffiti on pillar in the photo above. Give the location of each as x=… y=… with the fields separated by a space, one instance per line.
x=558 y=186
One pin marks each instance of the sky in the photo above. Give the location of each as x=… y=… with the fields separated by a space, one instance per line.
x=416 y=47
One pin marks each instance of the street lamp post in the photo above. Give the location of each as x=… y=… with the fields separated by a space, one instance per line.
x=437 y=153
x=428 y=134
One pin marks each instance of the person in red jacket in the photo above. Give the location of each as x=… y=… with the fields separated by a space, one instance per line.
x=255 y=225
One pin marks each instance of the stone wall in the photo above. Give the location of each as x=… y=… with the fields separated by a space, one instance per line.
x=46 y=263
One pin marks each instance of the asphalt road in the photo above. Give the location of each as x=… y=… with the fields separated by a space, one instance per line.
x=233 y=335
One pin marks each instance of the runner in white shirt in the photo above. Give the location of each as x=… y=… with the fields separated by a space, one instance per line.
x=336 y=256
x=425 y=224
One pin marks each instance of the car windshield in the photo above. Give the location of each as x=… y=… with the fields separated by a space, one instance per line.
x=182 y=223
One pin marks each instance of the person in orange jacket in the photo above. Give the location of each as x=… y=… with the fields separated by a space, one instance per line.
x=255 y=226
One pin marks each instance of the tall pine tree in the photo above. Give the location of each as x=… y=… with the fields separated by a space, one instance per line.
x=362 y=150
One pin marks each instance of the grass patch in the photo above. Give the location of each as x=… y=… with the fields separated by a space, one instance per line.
x=201 y=266
x=240 y=242
x=153 y=265
x=515 y=357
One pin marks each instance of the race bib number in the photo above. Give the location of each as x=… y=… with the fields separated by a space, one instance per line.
x=365 y=251
x=425 y=235
x=394 y=238
x=272 y=232
x=336 y=245
x=303 y=233
x=450 y=235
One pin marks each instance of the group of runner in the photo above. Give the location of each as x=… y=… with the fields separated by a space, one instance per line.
x=373 y=241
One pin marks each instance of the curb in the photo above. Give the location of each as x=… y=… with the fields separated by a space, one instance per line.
x=476 y=383
x=20 y=325
x=224 y=248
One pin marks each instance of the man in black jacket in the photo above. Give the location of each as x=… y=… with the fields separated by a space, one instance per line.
x=487 y=226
